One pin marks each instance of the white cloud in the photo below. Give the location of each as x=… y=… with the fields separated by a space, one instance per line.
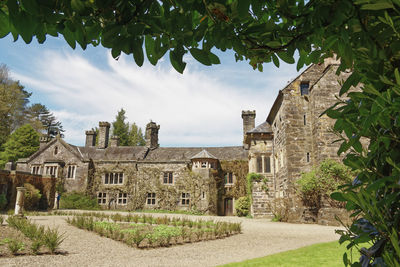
x=201 y=107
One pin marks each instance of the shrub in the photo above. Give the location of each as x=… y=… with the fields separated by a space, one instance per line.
x=32 y=197
x=77 y=200
x=3 y=201
x=242 y=206
x=319 y=183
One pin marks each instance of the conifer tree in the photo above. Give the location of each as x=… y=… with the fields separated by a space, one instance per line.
x=121 y=128
x=136 y=137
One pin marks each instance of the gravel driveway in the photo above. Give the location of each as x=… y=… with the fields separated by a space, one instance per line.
x=260 y=237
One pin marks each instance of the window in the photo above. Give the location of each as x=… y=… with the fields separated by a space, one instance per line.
x=168 y=178
x=151 y=199
x=35 y=170
x=308 y=157
x=122 y=198
x=304 y=88
x=102 y=198
x=185 y=199
x=55 y=150
x=259 y=164
x=114 y=178
x=267 y=164
x=304 y=120
x=52 y=170
x=203 y=195
x=229 y=178
x=71 y=171
x=204 y=164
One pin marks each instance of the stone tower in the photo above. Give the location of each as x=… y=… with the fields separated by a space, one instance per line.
x=104 y=131
x=249 y=118
x=151 y=135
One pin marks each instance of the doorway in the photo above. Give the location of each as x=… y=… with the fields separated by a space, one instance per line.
x=228 y=206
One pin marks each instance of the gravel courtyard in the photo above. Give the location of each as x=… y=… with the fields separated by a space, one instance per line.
x=260 y=237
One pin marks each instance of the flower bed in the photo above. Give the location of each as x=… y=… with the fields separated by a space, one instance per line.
x=146 y=231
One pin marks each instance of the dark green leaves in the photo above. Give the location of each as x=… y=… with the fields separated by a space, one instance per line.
x=4 y=25
x=205 y=57
x=175 y=57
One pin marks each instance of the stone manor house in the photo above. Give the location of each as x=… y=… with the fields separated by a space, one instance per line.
x=292 y=139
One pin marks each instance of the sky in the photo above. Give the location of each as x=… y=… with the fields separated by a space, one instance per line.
x=201 y=107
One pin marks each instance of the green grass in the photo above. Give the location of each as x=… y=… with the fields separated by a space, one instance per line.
x=323 y=254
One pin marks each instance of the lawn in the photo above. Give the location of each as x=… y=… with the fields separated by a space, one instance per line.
x=323 y=254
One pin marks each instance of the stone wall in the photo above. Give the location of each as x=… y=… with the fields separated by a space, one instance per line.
x=14 y=179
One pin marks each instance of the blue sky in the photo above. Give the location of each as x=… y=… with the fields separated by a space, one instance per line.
x=202 y=107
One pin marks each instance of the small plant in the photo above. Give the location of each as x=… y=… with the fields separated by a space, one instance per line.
x=14 y=245
x=1 y=220
x=36 y=245
x=52 y=239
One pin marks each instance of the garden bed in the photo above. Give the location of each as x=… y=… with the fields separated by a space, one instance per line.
x=146 y=231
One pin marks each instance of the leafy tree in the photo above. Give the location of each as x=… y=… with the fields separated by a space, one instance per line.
x=44 y=121
x=136 y=137
x=13 y=101
x=22 y=143
x=363 y=34
x=121 y=128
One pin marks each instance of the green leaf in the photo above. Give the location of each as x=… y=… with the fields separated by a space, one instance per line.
x=150 y=52
x=4 y=24
x=243 y=7
x=77 y=5
x=201 y=56
x=115 y=53
x=397 y=76
x=214 y=59
x=338 y=196
x=69 y=37
x=138 y=52
x=275 y=59
x=176 y=61
x=378 y=6
x=30 y=6
x=353 y=80
x=285 y=57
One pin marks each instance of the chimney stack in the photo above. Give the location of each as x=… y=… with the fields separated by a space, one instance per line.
x=114 y=142
x=151 y=135
x=104 y=130
x=44 y=139
x=90 y=138
x=249 y=121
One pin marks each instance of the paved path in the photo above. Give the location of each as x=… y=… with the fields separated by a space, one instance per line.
x=260 y=237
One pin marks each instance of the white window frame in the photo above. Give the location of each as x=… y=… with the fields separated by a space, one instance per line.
x=168 y=178
x=73 y=172
x=151 y=199
x=51 y=169
x=36 y=169
x=185 y=199
x=102 y=198
x=122 y=199
x=108 y=175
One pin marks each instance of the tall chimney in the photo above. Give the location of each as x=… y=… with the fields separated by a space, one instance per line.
x=249 y=120
x=90 y=138
x=151 y=135
x=104 y=129
x=43 y=141
x=114 y=141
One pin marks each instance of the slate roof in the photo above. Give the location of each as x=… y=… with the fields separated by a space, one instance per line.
x=112 y=153
x=165 y=154
x=204 y=154
x=264 y=127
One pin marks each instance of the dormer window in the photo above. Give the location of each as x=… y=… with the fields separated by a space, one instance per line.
x=304 y=86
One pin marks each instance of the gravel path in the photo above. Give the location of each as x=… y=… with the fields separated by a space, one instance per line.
x=260 y=237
